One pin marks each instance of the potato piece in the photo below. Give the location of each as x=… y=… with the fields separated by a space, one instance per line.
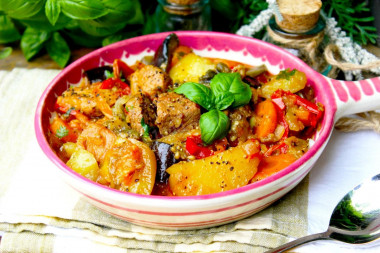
x=130 y=165
x=190 y=68
x=69 y=148
x=84 y=163
x=224 y=171
x=287 y=80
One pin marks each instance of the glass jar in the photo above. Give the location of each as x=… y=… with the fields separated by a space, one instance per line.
x=308 y=46
x=170 y=16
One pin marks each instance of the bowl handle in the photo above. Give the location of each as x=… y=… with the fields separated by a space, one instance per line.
x=355 y=96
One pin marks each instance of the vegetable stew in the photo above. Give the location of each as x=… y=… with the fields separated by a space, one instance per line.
x=179 y=124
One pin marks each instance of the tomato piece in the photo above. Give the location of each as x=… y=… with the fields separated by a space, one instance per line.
x=195 y=148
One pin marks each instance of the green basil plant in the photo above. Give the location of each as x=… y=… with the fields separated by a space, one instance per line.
x=51 y=24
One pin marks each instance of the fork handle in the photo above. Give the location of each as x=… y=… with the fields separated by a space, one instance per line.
x=299 y=241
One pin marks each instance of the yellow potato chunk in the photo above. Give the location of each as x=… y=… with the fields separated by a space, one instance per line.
x=84 y=163
x=224 y=171
x=69 y=148
x=130 y=165
x=190 y=68
x=287 y=80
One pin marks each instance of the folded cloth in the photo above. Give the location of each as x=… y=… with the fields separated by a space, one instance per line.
x=40 y=213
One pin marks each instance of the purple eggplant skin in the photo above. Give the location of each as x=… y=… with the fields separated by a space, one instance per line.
x=165 y=159
x=164 y=53
x=98 y=74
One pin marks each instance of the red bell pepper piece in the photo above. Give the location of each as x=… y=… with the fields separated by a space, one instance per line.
x=121 y=67
x=279 y=103
x=316 y=113
x=277 y=99
x=285 y=124
x=280 y=106
x=282 y=147
x=107 y=84
x=263 y=77
x=112 y=82
x=194 y=147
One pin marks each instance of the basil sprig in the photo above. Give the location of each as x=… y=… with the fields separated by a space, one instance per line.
x=230 y=83
x=214 y=125
x=198 y=93
x=227 y=90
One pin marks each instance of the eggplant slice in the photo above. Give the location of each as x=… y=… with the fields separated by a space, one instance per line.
x=98 y=74
x=165 y=159
x=164 y=53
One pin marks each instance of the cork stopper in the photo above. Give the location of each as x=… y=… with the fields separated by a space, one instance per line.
x=182 y=7
x=183 y=2
x=298 y=15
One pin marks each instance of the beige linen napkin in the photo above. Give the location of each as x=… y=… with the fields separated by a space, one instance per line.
x=39 y=213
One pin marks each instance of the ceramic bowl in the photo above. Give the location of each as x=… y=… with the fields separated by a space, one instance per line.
x=339 y=97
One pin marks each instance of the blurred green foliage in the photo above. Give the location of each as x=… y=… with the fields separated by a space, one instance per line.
x=58 y=26
x=354 y=17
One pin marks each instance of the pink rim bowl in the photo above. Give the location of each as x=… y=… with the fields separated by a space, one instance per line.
x=339 y=98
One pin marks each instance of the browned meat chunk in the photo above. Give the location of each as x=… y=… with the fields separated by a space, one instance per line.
x=150 y=80
x=240 y=129
x=175 y=112
x=138 y=107
x=97 y=140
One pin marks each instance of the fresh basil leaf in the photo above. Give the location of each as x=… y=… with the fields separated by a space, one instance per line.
x=138 y=17
x=58 y=49
x=21 y=9
x=214 y=126
x=32 y=41
x=93 y=28
x=242 y=93
x=149 y=24
x=83 y=9
x=221 y=83
x=52 y=10
x=119 y=36
x=197 y=93
x=231 y=82
x=41 y=22
x=224 y=100
x=5 y=52
x=122 y=11
x=8 y=31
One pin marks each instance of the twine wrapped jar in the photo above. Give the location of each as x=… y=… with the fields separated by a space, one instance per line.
x=300 y=30
x=298 y=16
x=176 y=15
